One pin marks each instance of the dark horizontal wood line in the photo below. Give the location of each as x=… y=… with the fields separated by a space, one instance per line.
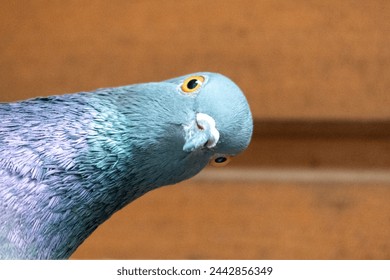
x=322 y=128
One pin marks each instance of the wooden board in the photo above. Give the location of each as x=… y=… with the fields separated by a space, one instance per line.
x=293 y=59
x=249 y=220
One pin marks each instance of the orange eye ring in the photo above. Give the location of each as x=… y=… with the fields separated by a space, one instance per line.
x=192 y=84
x=220 y=160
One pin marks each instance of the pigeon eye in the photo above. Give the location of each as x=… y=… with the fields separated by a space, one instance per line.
x=192 y=84
x=220 y=160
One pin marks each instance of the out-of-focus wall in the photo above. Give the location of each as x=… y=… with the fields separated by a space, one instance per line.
x=295 y=60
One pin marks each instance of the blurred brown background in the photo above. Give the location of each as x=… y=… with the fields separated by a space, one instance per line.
x=314 y=183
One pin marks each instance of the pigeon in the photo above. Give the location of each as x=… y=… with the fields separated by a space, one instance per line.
x=69 y=162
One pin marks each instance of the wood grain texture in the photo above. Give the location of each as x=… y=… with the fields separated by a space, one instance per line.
x=293 y=59
x=318 y=144
x=249 y=220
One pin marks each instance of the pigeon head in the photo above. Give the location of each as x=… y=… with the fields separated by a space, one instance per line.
x=221 y=124
x=206 y=118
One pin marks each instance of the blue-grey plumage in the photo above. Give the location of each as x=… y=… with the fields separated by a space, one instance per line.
x=68 y=162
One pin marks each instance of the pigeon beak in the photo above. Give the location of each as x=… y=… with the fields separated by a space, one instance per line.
x=201 y=133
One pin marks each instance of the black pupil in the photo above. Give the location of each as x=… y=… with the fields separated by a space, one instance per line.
x=192 y=83
x=220 y=159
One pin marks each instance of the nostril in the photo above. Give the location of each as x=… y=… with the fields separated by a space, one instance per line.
x=201 y=127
